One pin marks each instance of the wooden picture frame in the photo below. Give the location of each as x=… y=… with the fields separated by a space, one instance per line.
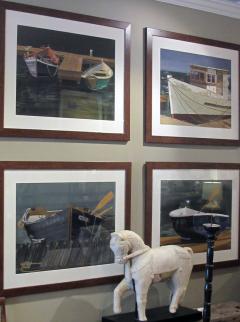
x=181 y=196
x=192 y=89
x=56 y=222
x=71 y=76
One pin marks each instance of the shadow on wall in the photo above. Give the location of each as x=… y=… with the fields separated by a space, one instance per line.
x=90 y=304
x=76 y=310
x=127 y=302
x=158 y=296
x=226 y=285
x=79 y=310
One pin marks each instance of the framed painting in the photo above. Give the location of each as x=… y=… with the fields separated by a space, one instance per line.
x=181 y=197
x=56 y=224
x=192 y=90
x=64 y=75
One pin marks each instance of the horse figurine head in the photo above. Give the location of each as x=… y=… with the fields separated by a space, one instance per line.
x=120 y=247
x=125 y=245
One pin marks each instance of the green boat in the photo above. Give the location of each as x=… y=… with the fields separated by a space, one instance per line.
x=97 y=77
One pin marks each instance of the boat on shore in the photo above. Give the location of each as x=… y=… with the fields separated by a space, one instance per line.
x=188 y=101
x=42 y=63
x=64 y=224
x=188 y=223
x=97 y=77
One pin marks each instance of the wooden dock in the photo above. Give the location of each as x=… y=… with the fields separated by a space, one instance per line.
x=71 y=65
x=223 y=242
x=71 y=68
x=44 y=256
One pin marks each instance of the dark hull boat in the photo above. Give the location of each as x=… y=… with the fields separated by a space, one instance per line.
x=60 y=224
x=40 y=68
x=44 y=225
x=68 y=224
x=188 y=223
x=44 y=63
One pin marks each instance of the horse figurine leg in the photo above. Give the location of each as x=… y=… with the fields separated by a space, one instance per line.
x=178 y=285
x=141 y=288
x=121 y=288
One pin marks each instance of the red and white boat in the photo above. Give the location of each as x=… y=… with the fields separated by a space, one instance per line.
x=43 y=63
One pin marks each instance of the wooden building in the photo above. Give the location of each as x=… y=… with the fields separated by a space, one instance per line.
x=213 y=79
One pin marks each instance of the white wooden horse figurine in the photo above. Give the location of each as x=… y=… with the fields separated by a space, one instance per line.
x=146 y=265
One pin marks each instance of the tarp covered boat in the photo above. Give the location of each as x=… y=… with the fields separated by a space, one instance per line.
x=187 y=99
x=188 y=223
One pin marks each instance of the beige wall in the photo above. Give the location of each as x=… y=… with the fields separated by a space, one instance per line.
x=89 y=304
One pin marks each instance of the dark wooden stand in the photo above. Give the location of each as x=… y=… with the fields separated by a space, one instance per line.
x=212 y=230
x=3 y=310
x=160 y=314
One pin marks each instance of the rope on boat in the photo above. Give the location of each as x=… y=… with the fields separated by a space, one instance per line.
x=54 y=74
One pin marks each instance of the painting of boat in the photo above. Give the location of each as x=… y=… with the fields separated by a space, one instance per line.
x=97 y=77
x=188 y=223
x=42 y=63
x=206 y=95
x=64 y=224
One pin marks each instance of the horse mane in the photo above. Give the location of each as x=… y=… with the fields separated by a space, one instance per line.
x=132 y=238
